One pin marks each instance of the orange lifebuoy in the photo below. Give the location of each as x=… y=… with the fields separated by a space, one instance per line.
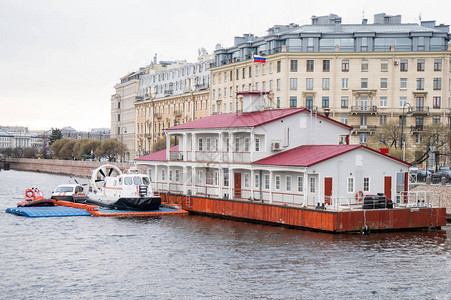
x=359 y=196
x=29 y=193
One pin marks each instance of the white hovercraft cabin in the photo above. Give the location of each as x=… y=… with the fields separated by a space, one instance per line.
x=285 y=156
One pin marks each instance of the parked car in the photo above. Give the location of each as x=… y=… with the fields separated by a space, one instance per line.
x=437 y=176
x=418 y=175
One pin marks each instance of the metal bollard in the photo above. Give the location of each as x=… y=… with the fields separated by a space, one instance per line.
x=443 y=181
x=428 y=180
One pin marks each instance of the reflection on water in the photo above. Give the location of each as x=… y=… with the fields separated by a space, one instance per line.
x=191 y=257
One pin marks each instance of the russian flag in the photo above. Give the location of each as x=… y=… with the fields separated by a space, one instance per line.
x=259 y=59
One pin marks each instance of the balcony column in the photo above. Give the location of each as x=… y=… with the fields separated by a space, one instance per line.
x=230 y=147
x=184 y=178
x=193 y=147
x=230 y=183
x=156 y=179
x=193 y=174
x=251 y=146
x=167 y=178
x=185 y=145
x=168 y=146
x=251 y=182
x=220 y=181
x=220 y=145
x=270 y=186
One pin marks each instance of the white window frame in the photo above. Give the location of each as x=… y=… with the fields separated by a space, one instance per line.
x=300 y=184
x=350 y=184
x=366 y=184
x=277 y=182
x=288 y=182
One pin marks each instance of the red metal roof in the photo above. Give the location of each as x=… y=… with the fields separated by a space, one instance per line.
x=309 y=155
x=157 y=156
x=252 y=119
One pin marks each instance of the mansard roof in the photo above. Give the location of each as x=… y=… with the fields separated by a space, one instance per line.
x=251 y=119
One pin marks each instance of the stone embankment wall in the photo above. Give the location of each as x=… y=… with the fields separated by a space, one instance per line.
x=66 y=167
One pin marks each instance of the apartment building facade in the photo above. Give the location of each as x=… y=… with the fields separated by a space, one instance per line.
x=167 y=97
x=360 y=74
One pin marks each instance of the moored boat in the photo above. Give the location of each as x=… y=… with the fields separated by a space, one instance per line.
x=34 y=197
x=123 y=191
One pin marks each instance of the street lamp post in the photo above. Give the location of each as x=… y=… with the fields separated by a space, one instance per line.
x=124 y=130
x=402 y=128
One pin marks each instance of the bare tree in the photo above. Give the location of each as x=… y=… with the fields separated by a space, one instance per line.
x=437 y=135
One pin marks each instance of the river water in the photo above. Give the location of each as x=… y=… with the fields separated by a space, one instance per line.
x=195 y=257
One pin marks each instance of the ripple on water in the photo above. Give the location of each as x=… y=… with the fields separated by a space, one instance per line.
x=192 y=257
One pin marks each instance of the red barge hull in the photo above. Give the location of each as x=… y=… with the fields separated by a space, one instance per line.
x=314 y=219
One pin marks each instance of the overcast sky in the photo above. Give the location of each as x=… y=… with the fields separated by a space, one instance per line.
x=60 y=59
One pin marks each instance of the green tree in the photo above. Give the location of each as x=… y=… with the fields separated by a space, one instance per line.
x=58 y=145
x=55 y=135
x=67 y=151
x=86 y=147
x=112 y=149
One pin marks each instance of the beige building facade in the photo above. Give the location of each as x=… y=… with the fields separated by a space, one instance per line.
x=361 y=79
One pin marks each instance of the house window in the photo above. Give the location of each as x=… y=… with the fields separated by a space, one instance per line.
x=363 y=138
x=309 y=83
x=293 y=65
x=250 y=72
x=271 y=68
x=163 y=174
x=326 y=83
x=437 y=64
x=345 y=65
x=200 y=146
x=363 y=120
x=345 y=83
x=364 y=65
x=271 y=85
x=325 y=102
x=300 y=184
x=418 y=138
x=437 y=84
x=257 y=180
x=402 y=101
x=267 y=181
x=344 y=119
x=384 y=65
x=293 y=101
x=278 y=84
x=177 y=175
x=404 y=66
x=278 y=102
x=364 y=83
x=118 y=117
x=309 y=103
x=366 y=184
x=293 y=83
x=257 y=144
x=200 y=176
x=403 y=83
x=278 y=66
x=288 y=182
x=326 y=65
x=350 y=184
x=435 y=119
x=420 y=83
x=209 y=173
x=246 y=180
x=382 y=119
x=384 y=83
x=436 y=102
x=277 y=182
x=246 y=144
x=420 y=65
x=208 y=144
x=383 y=101
x=237 y=144
x=310 y=65
x=312 y=185
x=344 y=101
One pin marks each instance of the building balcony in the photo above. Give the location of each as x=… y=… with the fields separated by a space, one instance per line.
x=157 y=115
x=168 y=92
x=416 y=128
x=356 y=110
x=364 y=129
x=177 y=113
x=420 y=110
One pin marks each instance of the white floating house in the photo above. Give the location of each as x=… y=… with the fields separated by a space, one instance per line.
x=284 y=156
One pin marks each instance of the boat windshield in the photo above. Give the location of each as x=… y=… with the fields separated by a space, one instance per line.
x=64 y=189
x=137 y=180
x=146 y=180
x=128 y=180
